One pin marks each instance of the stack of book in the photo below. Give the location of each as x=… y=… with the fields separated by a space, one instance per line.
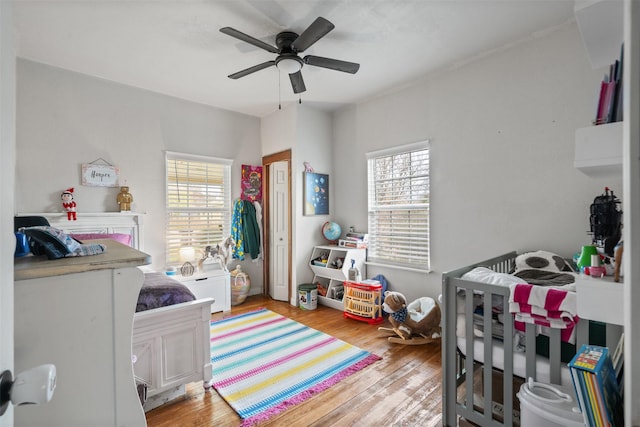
x=597 y=388
x=610 y=100
x=354 y=240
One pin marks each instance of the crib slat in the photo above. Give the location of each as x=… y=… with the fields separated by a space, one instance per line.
x=582 y=333
x=507 y=376
x=530 y=344
x=469 y=345
x=554 y=356
x=487 y=391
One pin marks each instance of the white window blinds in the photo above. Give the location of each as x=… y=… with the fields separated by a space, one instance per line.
x=398 y=206
x=198 y=202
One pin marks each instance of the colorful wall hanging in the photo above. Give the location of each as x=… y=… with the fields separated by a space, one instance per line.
x=251 y=183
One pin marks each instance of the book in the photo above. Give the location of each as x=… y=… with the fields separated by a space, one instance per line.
x=609 y=108
x=618 y=361
x=352 y=244
x=357 y=236
x=605 y=106
x=596 y=385
x=576 y=379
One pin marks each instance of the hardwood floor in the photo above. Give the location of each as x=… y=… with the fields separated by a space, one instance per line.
x=402 y=389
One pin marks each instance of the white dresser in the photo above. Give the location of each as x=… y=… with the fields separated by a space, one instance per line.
x=77 y=313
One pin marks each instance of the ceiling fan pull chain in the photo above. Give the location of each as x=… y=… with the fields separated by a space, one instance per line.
x=279 y=92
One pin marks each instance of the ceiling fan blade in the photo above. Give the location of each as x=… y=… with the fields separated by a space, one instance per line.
x=318 y=29
x=297 y=83
x=333 y=64
x=253 y=69
x=247 y=38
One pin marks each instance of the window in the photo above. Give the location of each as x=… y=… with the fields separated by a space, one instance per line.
x=198 y=202
x=399 y=206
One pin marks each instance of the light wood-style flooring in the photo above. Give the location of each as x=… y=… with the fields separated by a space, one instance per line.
x=402 y=389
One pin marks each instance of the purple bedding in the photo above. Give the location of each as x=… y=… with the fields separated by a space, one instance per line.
x=159 y=290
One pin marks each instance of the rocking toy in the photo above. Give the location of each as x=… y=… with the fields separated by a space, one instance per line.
x=414 y=324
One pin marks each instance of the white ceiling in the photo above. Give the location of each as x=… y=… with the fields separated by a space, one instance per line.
x=176 y=48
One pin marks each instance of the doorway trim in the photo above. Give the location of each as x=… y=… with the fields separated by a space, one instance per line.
x=266 y=193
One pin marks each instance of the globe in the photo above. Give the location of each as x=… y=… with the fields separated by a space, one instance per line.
x=331 y=231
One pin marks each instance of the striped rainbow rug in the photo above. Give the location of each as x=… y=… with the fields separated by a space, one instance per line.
x=264 y=363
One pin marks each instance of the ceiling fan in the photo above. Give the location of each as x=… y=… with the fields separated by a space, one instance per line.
x=289 y=44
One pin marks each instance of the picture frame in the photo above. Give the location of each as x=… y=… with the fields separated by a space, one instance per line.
x=316 y=193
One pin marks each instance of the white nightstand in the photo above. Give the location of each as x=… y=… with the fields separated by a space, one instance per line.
x=214 y=284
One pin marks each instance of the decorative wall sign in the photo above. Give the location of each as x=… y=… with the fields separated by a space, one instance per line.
x=316 y=193
x=251 y=183
x=100 y=175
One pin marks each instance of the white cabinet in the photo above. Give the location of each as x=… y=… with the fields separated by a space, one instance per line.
x=77 y=313
x=599 y=149
x=330 y=265
x=600 y=299
x=214 y=284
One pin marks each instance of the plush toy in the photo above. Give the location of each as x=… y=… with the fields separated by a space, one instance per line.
x=414 y=323
x=69 y=204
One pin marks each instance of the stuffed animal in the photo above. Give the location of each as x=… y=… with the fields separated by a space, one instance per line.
x=414 y=323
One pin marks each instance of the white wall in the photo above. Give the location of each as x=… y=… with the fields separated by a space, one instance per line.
x=313 y=145
x=7 y=183
x=307 y=132
x=502 y=146
x=65 y=119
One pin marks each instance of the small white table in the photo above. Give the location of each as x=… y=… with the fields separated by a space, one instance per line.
x=214 y=283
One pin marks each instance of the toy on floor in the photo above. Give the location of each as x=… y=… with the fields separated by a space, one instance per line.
x=415 y=323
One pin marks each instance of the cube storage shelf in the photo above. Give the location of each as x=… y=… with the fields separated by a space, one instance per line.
x=330 y=265
x=363 y=301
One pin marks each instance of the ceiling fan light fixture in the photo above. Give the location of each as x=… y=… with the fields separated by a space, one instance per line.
x=289 y=65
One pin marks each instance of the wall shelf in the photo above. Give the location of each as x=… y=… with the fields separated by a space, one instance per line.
x=598 y=149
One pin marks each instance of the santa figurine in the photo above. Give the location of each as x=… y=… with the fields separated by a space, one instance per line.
x=68 y=203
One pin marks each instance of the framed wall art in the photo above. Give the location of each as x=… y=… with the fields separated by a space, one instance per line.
x=316 y=193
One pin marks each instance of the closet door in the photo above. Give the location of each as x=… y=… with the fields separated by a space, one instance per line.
x=279 y=229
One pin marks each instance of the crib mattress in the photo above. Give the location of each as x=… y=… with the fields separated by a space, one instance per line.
x=519 y=361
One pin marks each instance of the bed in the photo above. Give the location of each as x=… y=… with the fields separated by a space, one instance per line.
x=170 y=344
x=170 y=340
x=486 y=360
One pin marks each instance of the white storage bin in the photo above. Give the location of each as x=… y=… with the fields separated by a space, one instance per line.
x=546 y=405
